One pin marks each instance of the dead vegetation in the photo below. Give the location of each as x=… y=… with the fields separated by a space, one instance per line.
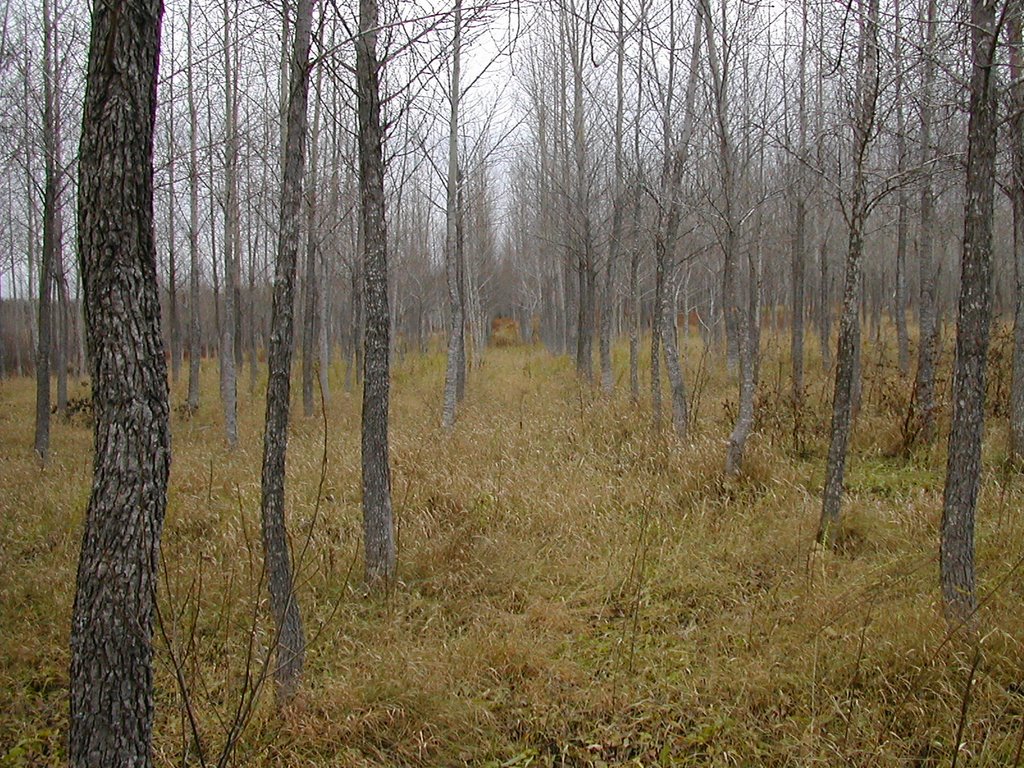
x=574 y=590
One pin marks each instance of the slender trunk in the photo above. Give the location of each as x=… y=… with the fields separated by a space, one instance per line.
x=902 y=207
x=799 y=255
x=172 y=254
x=923 y=416
x=378 y=528
x=1016 y=128
x=634 y=303
x=51 y=242
x=64 y=323
x=310 y=321
x=614 y=246
x=228 y=375
x=849 y=326
x=291 y=641
x=456 y=348
x=963 y=468
x=195 y=328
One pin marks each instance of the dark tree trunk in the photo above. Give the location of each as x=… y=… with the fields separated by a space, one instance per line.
x=378 y=530
x=963 y=469
x=291 y=641
x=111 y=699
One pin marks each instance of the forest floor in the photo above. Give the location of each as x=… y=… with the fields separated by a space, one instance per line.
x=574 y=588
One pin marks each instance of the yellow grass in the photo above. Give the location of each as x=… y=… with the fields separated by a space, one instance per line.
x=574 y=589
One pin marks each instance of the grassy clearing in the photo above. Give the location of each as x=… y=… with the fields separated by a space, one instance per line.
x=574 y=590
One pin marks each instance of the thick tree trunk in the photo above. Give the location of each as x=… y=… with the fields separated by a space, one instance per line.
x=111 y=698
x=378 y=528
x=963 y=468
x=291 y=641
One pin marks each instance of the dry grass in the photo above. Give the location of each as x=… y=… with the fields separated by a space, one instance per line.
x=574 y=589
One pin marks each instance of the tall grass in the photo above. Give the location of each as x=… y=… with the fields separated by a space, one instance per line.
x=574 y=588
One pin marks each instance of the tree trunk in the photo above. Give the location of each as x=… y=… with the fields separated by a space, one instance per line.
x=615 y=244
x=1016 y=128
x=799 y=255
x=291 y=641
x=51 y=240
x=310 y=321
x=849 y=326
x=902 y=207
x=195 y=328
x=963 y=468
x=456 y=309
x=111 y=698
x=923 y=415
x=228 y=370
x=378 y=529
x=174 y=320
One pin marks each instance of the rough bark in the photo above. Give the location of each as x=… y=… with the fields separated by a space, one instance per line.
x=963 y=468
x=378 y=529
x=111 y=699
x=849 y=324
x=291 y=641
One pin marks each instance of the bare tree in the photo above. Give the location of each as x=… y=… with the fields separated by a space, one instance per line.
x=111 y=699
x=291 y=641
x=229 y=338
x=849 y=327
x=194 y=323
x=1016 y=128
x=963 y=468
x=51 y=238
x=378 y=530
x=923 y=407
x=311 y=299
x=456 y=364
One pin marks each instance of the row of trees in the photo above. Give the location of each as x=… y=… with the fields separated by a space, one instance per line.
x=663 y=157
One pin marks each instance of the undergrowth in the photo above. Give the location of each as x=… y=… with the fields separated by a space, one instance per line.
x=574 y=588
